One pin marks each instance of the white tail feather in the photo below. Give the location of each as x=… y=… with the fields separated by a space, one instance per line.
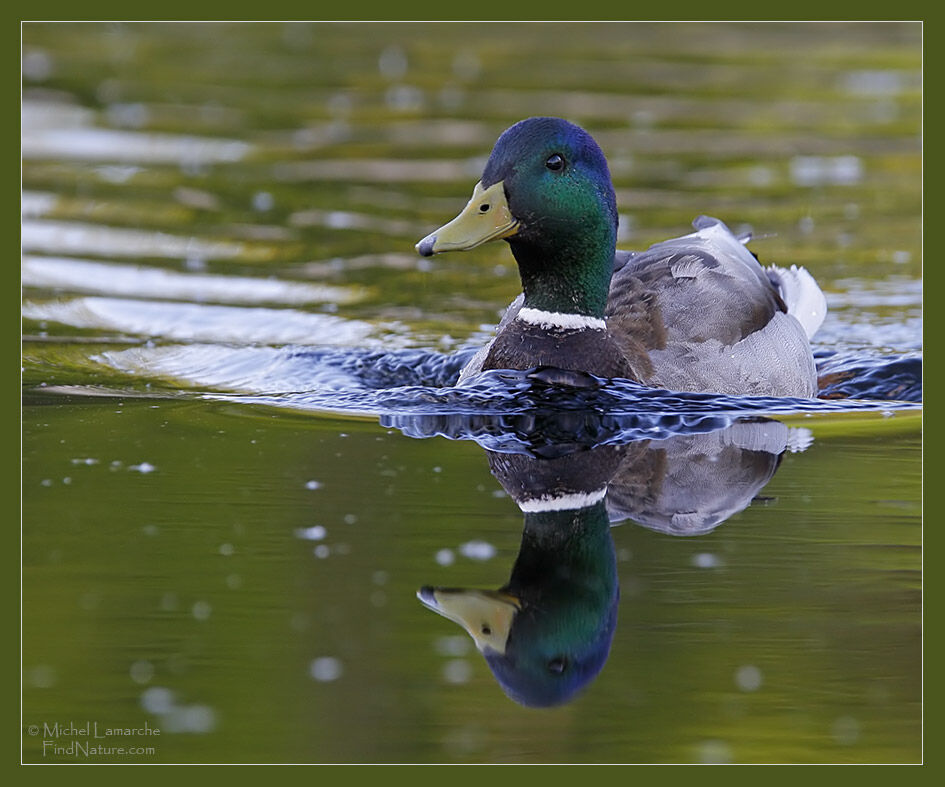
x=804 y=299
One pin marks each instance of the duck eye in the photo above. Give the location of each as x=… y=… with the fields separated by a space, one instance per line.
x=484 y=208
x=558 y=665
x=555 y=162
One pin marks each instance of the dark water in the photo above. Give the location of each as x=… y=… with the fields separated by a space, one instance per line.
x=243 y=455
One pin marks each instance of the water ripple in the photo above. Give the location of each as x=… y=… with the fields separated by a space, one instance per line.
x=101 y=278
x=208 y=323
x=413 y=389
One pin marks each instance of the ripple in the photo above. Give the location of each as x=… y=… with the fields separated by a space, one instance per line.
x=73 y=237
x=95 y=144
x=893 y=291
x=75 y=275
x=201 y=322
x=413 y=390
x=380 y=170
x=56 y=131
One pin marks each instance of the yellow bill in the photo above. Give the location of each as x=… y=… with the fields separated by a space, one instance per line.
x=486 y=217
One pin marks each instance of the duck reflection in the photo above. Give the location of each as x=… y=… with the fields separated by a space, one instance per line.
x=687 y=485
x=547 y=632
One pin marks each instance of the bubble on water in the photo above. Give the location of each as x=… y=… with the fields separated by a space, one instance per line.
x=226 y=549
x=42 y=676
x=392 y=63
x=200 y=718
x=761 y=176
x=325 y=669
x=201 y=610
x=144 y=467
x=322 y=551
x=37 y=65
x=714 y=751
x=128 y=115
x=477 y=550
x=194 y=718
x=141 y=671
x=873 y=82
x=705 y=560
x=404 y=98
x=748 y=677
x=826 y=170
x=465 y=740
x=313 y=533
x=445 y=557
x=452 y=645
x=112 y=173
x=313 y=484
x=263 y=201
x=846 y=730
x=157 y=699
x=457 y=671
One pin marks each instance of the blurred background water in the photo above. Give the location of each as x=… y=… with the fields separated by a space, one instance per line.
x=230 y=348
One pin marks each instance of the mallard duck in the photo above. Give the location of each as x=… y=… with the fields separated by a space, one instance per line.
x=694 y=313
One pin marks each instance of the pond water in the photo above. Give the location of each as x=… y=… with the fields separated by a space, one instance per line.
x=249 y=485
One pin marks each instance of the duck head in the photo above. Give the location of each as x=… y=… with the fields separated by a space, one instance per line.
x=545 y=189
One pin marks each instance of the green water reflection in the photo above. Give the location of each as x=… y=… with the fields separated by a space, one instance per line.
x=789 y=633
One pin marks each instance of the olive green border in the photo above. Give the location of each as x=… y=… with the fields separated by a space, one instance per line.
x=496 y=11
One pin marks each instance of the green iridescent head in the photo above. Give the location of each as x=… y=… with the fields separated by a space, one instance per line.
x=545 y=189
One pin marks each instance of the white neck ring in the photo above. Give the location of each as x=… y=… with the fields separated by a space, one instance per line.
x=560 y=320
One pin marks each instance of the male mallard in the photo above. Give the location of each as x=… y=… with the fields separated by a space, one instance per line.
x=696 y=313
